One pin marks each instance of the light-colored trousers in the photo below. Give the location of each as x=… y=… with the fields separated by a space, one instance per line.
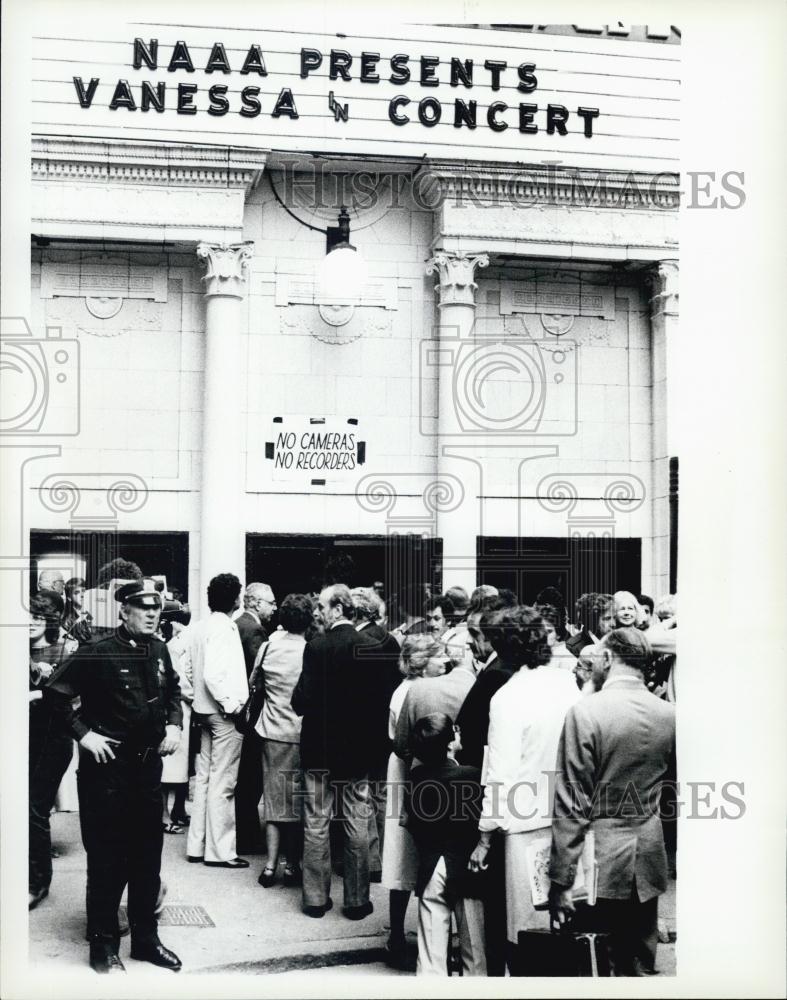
x=434 y=930
x=212 y=827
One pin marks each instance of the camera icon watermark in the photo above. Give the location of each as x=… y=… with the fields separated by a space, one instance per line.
x=39 y=381
x=514 y=386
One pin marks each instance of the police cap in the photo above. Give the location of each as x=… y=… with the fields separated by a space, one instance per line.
x=140 y=593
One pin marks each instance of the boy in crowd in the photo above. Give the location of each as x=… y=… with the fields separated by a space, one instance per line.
x=442 y=809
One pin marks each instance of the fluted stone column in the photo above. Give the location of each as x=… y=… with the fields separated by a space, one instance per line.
x=664 y=311
x=458 y=523
x=222 y=541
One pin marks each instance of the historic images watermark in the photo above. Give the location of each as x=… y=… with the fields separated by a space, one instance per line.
x=40 y=389
x=532 y=801
x=306 y=186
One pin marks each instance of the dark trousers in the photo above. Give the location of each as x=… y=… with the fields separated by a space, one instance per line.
x=120 y=817
x=50 y=754
x=495 y=930
x=248 y=792
x=633 y=930
x=352 y=799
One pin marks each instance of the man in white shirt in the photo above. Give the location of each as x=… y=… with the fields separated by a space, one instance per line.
x=221 y=688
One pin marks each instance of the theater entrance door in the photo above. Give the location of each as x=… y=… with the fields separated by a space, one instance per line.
x=302 y=563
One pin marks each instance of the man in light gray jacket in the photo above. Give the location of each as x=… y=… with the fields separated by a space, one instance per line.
x=614 y=753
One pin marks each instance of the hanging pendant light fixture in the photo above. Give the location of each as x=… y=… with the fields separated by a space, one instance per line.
x=341 y=274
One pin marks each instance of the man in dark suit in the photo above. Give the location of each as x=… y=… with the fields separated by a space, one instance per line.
x=614 y=753
x=385 y=676
x=333 y=696
x=473 y=722
x=259 y=605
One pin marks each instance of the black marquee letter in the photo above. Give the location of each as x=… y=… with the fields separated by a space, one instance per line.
x=494 y=108
x=254 y=62
x=122 y=97
x=85 y=99
x=285 y=105
x=557 y=116
x=219 y=105
x=588 y=114
x=465 y=114
x=251 y=105
x=151 y=98
x=218 y=60
x=393 y=107
x=186 y=92
x=181 y=59
x=310 y=59
x=434 y=106
x=495 y=67
x=400 y=71
x=143 y=53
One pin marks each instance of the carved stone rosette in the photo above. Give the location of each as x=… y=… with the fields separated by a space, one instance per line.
x=227 y=267
x=456 y=271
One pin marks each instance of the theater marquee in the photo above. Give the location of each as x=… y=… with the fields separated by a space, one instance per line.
x=441 y=92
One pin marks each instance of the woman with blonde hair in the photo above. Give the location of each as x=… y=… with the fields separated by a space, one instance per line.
x=421 y=656
x=628 y=610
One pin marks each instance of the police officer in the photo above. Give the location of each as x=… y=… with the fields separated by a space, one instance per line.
x=130 y=716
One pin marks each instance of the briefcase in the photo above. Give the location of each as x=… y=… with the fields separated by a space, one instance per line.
x=562 y=953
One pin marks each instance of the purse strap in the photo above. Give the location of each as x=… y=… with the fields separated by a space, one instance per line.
x=257 y=675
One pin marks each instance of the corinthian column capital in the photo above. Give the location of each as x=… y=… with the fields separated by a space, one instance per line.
x=227 y=266
x=456 y=271
x=664 y=282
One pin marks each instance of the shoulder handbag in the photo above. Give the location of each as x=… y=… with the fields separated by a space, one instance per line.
x=246 y=719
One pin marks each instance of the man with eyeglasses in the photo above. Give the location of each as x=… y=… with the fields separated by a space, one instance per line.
x=259 y=606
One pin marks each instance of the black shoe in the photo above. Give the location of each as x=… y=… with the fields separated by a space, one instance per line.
x=376 y=877
x=157 y=954
x=234 y=863
x=318 y=911
x=267 y=878
x=194 y=860
x=396 y=955
x=358 y=912
x=103 y=961
x=35 y=896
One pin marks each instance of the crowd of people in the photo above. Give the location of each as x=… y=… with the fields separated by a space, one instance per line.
x=443 y=745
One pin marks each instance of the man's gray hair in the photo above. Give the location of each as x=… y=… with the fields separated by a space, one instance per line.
x=338 y=595
x=366 y=603
x=253 y=591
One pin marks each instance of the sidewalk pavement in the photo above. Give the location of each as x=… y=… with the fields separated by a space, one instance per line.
x=254 y=930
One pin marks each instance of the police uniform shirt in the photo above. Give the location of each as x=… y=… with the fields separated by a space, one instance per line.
x=128 y=689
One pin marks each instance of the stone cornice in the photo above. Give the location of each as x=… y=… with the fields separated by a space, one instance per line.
x=479 y=184
x=124 y=162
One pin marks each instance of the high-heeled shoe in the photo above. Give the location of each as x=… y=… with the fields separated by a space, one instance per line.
x=267 y=877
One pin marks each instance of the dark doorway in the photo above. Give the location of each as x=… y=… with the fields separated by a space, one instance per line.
x=574 y=566
x=155 y=552
x=298 y=563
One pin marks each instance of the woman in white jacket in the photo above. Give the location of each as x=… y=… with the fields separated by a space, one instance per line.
x=525 y=720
